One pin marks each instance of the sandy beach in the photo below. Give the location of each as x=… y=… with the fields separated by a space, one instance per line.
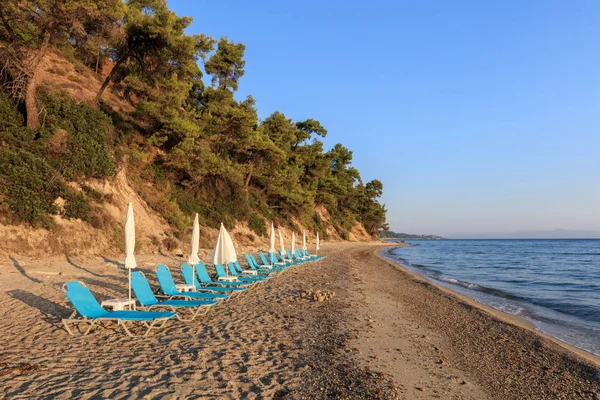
x=386 y=333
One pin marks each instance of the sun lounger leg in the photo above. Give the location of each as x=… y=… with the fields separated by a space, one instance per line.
x=154 y=325
x=91 y=323
x=122 y=323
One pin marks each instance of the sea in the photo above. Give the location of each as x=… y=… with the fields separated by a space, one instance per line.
x=553 y=283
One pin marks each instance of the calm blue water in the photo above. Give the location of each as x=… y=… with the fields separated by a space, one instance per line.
x=553 y=283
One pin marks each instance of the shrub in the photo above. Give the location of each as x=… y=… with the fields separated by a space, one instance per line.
x=9 y=115
x=293 y=226
x=76 y=206
x=87 y=153
x=187 y=202
x=257 y=224
x=29 y=186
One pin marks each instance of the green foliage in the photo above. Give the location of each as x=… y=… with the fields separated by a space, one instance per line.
x=227 y=65
x=258 y=225
x=77 y=206
x=89 y=132
x=29 y=186
x=203 y=150
x=10 y=118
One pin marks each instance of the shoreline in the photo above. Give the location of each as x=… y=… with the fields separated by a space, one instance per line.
x=503 y=316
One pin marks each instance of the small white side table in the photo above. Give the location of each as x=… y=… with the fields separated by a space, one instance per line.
x=249 y=272
x=228 y=278
x=119 y=304
x=184 y=287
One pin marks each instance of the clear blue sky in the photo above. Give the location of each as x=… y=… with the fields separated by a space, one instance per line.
x=477 y=116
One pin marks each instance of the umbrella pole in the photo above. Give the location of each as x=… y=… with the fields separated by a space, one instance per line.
x=194 y=276
x=129 y=275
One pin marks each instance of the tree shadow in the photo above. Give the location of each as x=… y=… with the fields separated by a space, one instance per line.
x=22 y=271
x=80 y=267
x=115 y=262
x=52 y=312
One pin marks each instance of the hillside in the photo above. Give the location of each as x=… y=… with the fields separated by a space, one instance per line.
x=160 y=139
x=408 y=236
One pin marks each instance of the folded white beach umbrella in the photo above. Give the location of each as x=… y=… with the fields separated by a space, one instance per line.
x=272 y=248
x=223 y=252
x=193 y=259
x=317 y=245
x=303 y=240
x=281 y=246
x=130 y=262
x=293 y=243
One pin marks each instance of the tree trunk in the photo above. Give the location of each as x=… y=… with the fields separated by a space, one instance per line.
x=109 y=78
x=33 y=120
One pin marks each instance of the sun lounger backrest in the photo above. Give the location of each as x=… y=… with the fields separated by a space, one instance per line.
x=83 y=300
x=249 y=260
x=232 y=270
x=203 y=273
x=165 y=280
x=254 y=261
x=142 y=289
x=263 y=258
x=238 y=267
x=188 y=275
x=220 y=270
x=273 y=258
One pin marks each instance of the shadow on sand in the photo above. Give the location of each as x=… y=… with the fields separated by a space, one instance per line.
x=80 y=267
x=52 y=312
x=115 y=262
x=22 y=271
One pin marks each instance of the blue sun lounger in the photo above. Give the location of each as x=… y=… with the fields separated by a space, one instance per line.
x=284 y=257
x=205 y=279
x=167 y=285
x=92 y=313
x=275 y=259
x=299 y=256
x=148 y=300
x=220 y=269
x=236 y=270
x=295 y=260
x=252 y=272
x=312 y=256
x=190 y=279
x=264 y=269
x=264 y=260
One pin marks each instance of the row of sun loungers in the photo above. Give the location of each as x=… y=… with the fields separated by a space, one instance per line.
x=183 y=305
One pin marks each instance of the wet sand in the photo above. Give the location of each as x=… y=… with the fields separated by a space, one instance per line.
x=385 y=334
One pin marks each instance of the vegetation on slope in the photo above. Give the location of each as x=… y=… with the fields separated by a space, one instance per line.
x=200 y=149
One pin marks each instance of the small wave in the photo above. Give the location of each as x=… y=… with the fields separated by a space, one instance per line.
x=479 y=288
x=454 y=281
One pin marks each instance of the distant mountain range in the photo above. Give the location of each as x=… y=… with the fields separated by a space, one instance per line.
x=554 y=234
x=408 y=236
